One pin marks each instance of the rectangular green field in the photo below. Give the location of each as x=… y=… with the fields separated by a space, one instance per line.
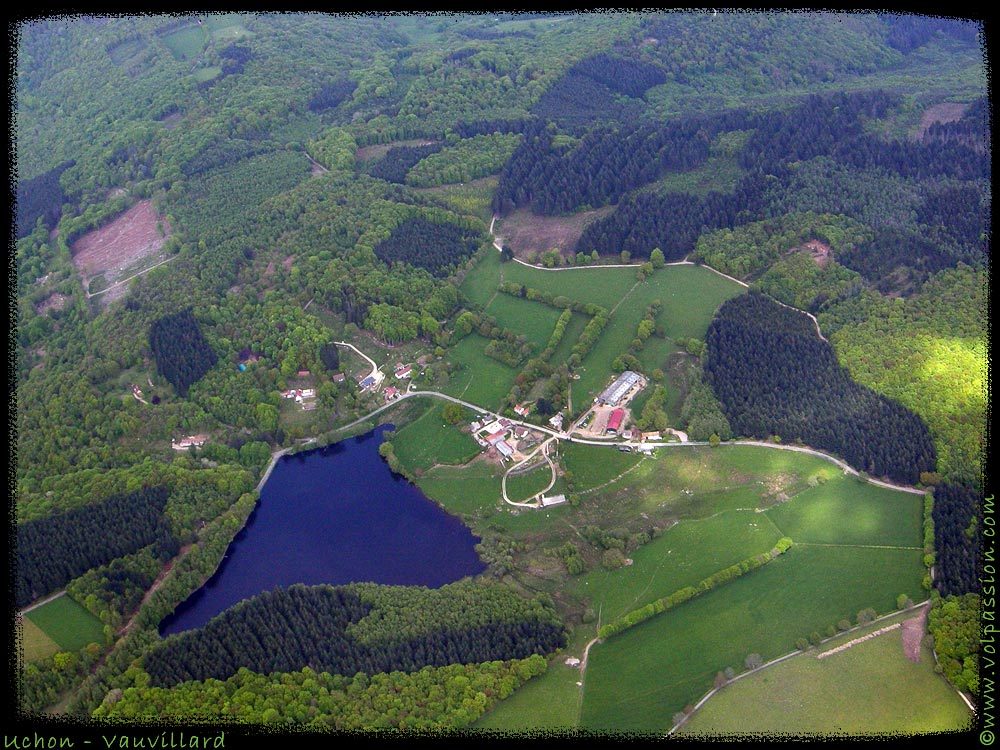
x=480 y=379
x=637 y=680
x=683 y=555
x=532 y=319
x=480 y=284
x=67 y=623
x=603 y=286
x=185 y=43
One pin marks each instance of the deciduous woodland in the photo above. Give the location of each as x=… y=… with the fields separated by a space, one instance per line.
x=243 y=235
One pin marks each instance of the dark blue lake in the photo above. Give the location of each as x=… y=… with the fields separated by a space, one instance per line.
x=335 y=515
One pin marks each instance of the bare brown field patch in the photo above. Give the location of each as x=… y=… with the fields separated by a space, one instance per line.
x=524 y=233
x=943 y=112
x=116 y=250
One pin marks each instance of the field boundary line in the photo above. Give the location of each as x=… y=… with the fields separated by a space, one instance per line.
x=862 y=639
x=43 y=602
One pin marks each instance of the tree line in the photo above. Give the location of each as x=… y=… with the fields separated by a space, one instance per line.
x=433 y=699
x=349 y=629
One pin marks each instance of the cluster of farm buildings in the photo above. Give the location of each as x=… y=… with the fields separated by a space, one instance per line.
x=501 y=435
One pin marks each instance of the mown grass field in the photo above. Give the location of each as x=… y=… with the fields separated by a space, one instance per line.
x=67 y=623
x=186 y=43
x=793 y=697
x=35 y=644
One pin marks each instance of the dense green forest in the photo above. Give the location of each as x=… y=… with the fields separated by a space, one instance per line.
x=308 y=178
x=775 y=378
x=360 y=628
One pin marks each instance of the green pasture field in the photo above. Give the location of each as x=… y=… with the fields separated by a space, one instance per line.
x=34 y=643
x=67 y=623
x=846 y=510
x=185 y=43
x=604 y=286
x=207 y=74
x=526 y=486
x=428 y=440
x=718 y=496
x=548 y=702
x=480 y=379
x=687 y=481
x=480 y=284
x=638 y=680
x=471 y=491
x=683 y=555
x=690 y=295
x=571 y=334
x=530 y=318
x=217 y=22
x=793 y=696
x=229 y=33
x=594 y=465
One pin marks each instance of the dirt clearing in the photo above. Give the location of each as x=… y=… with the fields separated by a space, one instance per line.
x=130 y=244
x=913 y=634
x=525 y=233
x=943 y=112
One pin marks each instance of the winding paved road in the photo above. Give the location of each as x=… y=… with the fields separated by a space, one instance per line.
x=571 y=438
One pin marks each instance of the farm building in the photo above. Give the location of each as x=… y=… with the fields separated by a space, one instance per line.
x=504 y=448
x=614 y=393
x=495 y=437
x=191 y=441
x=615 y=420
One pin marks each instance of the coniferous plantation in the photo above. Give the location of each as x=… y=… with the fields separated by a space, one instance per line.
x=53 y=550
x=182 y=352
x=209 y=206
x=360 y=628
x=775 y=377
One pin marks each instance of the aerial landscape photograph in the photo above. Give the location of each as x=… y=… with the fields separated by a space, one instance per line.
x=609 y=375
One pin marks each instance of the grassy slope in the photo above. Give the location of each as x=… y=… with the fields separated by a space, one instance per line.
x=793 y=697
